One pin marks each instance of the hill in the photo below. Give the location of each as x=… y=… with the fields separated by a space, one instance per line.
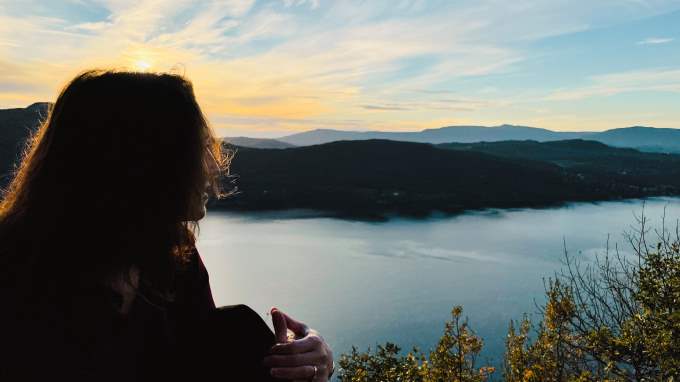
x=15 y=126
x=376 y=177
x=257 y=143
x=589 y=159
x=643 y=138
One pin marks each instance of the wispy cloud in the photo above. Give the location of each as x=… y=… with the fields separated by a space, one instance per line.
x=656 y=41
x=384 y=107
x=311 y=3
x=429 y=105
x=660 y=80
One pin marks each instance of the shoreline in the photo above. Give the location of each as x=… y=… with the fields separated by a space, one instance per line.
x=310 y=213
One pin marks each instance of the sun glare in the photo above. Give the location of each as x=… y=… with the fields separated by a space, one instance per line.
x=142 y=65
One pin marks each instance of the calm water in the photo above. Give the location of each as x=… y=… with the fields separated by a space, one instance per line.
x=364 y=283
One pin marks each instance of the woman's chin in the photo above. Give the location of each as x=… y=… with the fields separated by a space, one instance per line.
x=202 y=213
x=198 y=214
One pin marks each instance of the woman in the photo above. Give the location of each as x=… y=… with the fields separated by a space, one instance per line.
x=100 y=276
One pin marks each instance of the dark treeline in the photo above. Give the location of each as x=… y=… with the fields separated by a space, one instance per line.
x=590 y=159
x=371 y=178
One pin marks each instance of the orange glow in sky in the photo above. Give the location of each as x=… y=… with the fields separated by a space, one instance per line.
x=274 y=67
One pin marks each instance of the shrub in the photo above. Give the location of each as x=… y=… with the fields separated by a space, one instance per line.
x=613 y=318
x=454 y=359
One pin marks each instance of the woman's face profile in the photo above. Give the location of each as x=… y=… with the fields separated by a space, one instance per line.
x=198 y=209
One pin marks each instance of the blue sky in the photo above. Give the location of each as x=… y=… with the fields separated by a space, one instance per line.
x=268 y=68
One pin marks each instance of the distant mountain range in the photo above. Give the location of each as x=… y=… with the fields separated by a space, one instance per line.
x=441 y=135
x=642 y=138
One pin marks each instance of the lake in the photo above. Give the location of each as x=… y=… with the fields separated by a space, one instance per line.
x=362 y=283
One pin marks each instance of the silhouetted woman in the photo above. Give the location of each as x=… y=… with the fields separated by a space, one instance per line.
x=100 y=276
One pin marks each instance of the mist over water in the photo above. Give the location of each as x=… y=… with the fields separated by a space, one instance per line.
x=362 y=283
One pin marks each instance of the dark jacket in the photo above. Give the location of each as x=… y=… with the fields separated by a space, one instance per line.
x=182 y=336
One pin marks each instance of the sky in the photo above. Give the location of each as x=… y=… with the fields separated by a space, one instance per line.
x=268 y=68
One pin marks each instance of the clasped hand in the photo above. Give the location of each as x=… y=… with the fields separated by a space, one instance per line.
x=304 y=357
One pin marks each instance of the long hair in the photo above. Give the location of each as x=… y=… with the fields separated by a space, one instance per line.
x=109 y=180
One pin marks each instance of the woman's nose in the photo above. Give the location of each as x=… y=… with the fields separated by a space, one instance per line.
x=213 y=166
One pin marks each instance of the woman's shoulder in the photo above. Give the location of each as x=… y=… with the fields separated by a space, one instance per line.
x=192 y=283
x=191 y=265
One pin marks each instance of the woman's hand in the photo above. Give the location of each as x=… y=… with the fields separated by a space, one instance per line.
x=305 y=357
